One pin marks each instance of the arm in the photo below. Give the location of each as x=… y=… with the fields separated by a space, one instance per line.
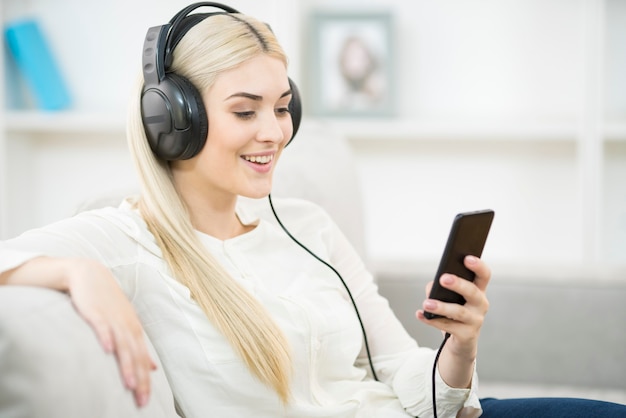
x=398 y=360
x=39 y=271
x=93 y=289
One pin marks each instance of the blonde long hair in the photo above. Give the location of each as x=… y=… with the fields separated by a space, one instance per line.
x=217 y=43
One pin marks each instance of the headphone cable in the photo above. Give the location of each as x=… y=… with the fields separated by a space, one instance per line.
x=358 y=315
x=445 y=339
x=367 y=349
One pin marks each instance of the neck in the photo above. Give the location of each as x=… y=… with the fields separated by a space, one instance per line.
x=227 y=227
x=211 y=210
x=219 y=221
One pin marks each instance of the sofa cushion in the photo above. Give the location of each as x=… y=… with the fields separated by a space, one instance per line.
x=52 y=365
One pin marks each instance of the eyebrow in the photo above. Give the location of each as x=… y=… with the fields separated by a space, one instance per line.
x=254 y=96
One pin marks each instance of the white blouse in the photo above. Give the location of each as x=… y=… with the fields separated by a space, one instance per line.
x=306 y=299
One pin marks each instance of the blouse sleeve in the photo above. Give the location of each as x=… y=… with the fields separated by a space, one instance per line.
x=398 y=360
x=88 y=235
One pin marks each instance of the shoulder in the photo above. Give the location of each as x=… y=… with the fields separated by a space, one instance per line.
x=113 y=235
x=123 y=217
x=105 y=219
x=117 y=223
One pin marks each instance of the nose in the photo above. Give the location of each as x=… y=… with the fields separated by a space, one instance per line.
x=272 y=128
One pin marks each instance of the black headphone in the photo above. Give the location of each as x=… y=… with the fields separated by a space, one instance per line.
x=172 y=111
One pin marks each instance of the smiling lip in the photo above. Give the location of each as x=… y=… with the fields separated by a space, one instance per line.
x=261 y=163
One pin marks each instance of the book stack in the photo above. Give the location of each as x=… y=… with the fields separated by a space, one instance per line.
x=35 y=62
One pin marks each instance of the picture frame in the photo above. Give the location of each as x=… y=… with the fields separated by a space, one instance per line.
x=351 y=63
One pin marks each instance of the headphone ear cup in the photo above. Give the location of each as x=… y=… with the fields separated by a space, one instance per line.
x=174 y=118
x=295 y=109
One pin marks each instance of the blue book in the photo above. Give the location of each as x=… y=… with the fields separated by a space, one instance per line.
x=36 y=63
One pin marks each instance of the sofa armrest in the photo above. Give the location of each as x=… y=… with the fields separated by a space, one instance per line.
x=52 y=365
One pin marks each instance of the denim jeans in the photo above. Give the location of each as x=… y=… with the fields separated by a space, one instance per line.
x=550 y=407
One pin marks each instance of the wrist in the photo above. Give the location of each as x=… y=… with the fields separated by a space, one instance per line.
x=465 y=352
x=458 y=360
x=72 y=270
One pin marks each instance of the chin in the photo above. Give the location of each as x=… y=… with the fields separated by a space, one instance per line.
x=256 y=189
x=257 y=194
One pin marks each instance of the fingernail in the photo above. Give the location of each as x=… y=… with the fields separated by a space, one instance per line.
x=447 y=279
x=430 y=304
x=131 y=382
x=107 y=345
x=142 y=399
x=471 y=259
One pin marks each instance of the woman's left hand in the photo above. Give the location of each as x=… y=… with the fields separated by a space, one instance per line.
x=462 y=322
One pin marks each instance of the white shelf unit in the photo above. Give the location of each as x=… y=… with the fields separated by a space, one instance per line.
x=517 y=106
x=533 y=175
x=34 y=122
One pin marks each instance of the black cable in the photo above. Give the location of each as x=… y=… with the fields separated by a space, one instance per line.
x=367 y=348
x=445 y=339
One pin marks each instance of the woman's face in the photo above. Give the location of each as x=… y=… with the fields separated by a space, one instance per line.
x=249 y=125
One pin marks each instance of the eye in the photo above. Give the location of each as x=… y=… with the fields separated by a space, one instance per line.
x=283 y=111
x=244 y=115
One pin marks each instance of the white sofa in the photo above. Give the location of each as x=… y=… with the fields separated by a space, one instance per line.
x=52 y=366
x=541 y=337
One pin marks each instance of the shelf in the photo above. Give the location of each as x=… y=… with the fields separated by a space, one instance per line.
x=64 y=122
x=355 y=128
x=403 y=129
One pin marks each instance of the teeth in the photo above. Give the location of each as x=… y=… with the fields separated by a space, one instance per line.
x=259 y=159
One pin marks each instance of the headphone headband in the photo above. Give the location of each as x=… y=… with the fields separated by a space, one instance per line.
x=174 y=35
x=161 y=40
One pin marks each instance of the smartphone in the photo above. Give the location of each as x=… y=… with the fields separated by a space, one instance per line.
x=467 y=237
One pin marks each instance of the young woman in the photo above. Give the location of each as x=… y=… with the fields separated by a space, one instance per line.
x=245 y=321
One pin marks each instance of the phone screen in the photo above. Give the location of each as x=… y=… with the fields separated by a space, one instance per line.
x=467 y=237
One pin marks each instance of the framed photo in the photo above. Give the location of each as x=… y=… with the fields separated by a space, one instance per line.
x=351 y=64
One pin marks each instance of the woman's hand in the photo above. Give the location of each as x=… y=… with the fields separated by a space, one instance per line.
x=100 y=301
x=462 y=322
